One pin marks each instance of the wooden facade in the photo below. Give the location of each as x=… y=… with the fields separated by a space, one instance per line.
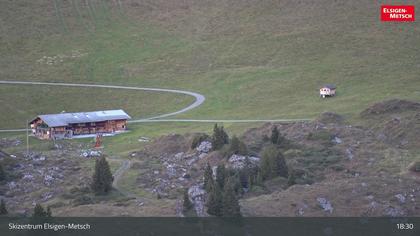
x=53 y=128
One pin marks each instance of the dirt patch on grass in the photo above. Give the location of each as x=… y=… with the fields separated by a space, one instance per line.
x=390 y=107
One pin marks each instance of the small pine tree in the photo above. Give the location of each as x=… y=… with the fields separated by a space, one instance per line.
x=3 y=209
x=208 y=178
x=219 y=138
x=215 y=201
x=39 y=211
x=224 y=135
x=259 y=178
x=231 y=206
x=292 y=178
x=187 y=204
x=2 y=173
x=274 y=135
x=273 y=164
x=234 y=145
x=48 y=213
x=221 y=175
x=102 y=178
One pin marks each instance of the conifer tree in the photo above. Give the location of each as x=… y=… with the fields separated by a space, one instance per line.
x=3 y=209
x=187 y=204
x=221 y=175
x=48 y=213
x=278 y=139
x=230 y=205
x=219 y=137
x=215 y=201
x=274 y=135
x=208 y=178
x=273 y=164
x=39 y=211
x=2 y=173
x=292 y=178
x=102 y=178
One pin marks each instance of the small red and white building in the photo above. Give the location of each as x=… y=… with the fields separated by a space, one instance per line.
x=327 y=90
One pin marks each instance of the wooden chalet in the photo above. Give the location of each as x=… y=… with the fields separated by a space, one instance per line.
x=69 y=125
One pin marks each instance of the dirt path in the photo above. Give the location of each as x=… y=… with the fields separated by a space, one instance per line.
x=199 y=99
x=125 y=165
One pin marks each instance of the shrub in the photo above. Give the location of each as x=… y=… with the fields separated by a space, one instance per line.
x=82 y=200
x=238 y=147
x=39 y=211
x=321 y=135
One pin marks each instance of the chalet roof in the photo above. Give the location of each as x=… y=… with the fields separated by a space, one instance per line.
x=64 y=119
x=330 y=86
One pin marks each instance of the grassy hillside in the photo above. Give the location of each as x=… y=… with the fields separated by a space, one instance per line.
x=251 y=59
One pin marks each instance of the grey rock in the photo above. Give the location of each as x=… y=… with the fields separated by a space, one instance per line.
x=401 y=198
x=239 y=161
x=325 y=204
x=337 y=140
x=204 y=147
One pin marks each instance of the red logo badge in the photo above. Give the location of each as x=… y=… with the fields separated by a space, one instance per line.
x=397 y=13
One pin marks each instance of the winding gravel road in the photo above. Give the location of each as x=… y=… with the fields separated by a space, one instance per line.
x=199 y=99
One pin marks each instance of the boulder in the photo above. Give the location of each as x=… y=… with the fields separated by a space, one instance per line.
x=204 y=147
x=325 y=204
x=239 y=161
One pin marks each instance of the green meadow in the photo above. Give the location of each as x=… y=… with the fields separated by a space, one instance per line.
x=251 y=59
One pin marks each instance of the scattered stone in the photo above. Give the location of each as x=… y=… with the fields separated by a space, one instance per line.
x=204 y=147
x=144 y=139
x=394 y=211
x=337 y=140
x=349 y=153
x=28 y=177
x=197 y=196
x=325 y=204
x=401 y=198
x=239 y=161
x=91 y=153
x=12 y=185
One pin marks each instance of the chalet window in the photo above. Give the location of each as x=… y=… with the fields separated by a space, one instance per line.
x=92 y=124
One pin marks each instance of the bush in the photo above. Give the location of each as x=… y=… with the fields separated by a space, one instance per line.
x=321 y=135
x=238 y=147
x=199 y=138
x=39 y=212
x=82 y=200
